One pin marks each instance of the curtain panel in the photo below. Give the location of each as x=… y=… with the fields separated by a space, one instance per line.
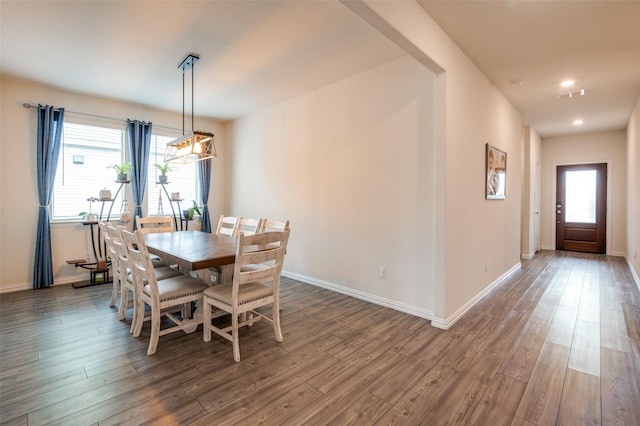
x=49 y=141
x=204 y=175
x=139 y=141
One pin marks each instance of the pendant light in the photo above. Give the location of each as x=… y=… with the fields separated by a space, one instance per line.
x=196 y=145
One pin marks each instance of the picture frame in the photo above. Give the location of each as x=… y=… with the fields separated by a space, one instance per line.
x=495 y=173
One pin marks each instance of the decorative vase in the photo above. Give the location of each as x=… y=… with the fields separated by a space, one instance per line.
x=91 y=217
x=163 y=178
x=105 y=194
x=175 y=195
x=122 y=176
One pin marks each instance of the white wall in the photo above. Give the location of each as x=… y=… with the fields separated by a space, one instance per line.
x=601 y=147
x=531 y=152
x=351 y=166
x=470 y=112
x=18 y=187
x=633 y=192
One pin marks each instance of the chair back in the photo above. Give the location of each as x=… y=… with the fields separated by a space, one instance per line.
x=148 y=225
x=140 y=263
x=274 y=225
x=228 y=225
x=119 y=259
x=265 y=250
x=249 y=226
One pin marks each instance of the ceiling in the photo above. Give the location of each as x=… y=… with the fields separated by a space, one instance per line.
x=542 y=43
x=254 y=54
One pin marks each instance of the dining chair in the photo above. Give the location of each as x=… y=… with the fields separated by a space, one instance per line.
x=228 y=225
x=249 y=290
x=249 y=226
x=153 y=224
x=147 y=225
x=110 y=254
x=269 y=225
x=122 y=270
x=164 y=297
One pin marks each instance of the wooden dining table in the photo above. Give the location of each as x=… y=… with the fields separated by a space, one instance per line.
x=195 y=250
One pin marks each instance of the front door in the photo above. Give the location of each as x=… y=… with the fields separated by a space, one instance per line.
x=581 y=209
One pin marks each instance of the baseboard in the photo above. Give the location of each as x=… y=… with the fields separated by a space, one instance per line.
x=445 y=324
x=527 y=256
x=9 y=288
x=634 y=274
x=377 y=300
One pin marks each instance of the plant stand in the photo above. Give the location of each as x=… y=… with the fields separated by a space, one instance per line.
x=98 y=269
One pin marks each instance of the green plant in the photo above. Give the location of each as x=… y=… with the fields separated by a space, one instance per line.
x=164 y=168
x=120 y=168
x=195 y=209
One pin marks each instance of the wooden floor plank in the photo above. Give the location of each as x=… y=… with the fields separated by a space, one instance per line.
x=499 y=403
x=620 y=403
x=541 y=398
x=580 y=404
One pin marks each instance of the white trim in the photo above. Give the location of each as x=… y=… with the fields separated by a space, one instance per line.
x=377 y=300
x=70 y=279
x=527 y=256
x=445 y=324
x=634 y=275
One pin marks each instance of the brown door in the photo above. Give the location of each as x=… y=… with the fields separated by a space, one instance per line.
x=581 y=209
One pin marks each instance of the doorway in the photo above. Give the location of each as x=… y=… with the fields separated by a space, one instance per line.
x=581 y=208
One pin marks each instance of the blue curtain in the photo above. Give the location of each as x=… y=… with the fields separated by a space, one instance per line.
x=204 y=175
x=49 y=141
x=139 y=139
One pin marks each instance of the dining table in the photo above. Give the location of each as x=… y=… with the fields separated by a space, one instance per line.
x=195 y=250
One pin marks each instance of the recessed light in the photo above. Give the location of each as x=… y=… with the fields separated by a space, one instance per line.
x=567 y=83
x=577 y=122
x=517 y=82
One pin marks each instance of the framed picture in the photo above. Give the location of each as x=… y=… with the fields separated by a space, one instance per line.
x=496 y=173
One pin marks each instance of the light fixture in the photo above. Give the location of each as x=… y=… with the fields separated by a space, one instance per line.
x=567 y=83
x=196 y=145
x=571 y=94
x=577 y=122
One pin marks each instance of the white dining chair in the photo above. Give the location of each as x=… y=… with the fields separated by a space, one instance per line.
x=122 y=268
x=249 y=226
x=249 y=290
x=164 y=297
x=228 y=225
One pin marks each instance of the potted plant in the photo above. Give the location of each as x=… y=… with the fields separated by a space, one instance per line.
x=164 y=168
x=121 y=169
x=89 y=216
x=192 y=211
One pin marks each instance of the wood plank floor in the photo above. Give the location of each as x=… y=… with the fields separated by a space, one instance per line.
x=558 y=343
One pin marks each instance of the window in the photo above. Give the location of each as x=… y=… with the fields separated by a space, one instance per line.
x=182 y=179
x=83 y=171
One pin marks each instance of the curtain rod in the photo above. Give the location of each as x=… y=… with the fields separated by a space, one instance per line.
x=28 y=105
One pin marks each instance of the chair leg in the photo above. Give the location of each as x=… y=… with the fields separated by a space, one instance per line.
x=124 y=302
x=235 y=338
x=206 y=320
x=276 y=321
x=155 y=330
x=138 y=318
x=114 y=292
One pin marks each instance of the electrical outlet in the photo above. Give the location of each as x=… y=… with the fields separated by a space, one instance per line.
x=486 y=265
x=382 y=272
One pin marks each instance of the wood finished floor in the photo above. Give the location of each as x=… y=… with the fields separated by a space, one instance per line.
x=558 y=343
